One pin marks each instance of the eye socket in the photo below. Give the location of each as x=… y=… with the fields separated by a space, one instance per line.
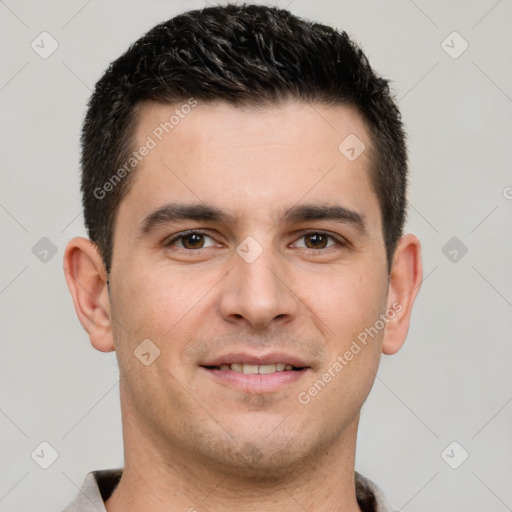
x=190 y=240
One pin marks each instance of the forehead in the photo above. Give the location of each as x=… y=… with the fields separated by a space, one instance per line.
x=302 y=128
x=242 y=158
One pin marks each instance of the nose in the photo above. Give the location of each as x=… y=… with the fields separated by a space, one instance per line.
x=258 y=293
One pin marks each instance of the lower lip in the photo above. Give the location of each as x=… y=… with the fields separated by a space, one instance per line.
x=257 y=383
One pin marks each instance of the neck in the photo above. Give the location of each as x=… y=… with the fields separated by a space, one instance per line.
x=171 y=480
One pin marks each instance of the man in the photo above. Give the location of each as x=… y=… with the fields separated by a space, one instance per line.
x=244 y=180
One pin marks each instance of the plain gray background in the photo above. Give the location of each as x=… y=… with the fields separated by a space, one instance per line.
x=450 y=382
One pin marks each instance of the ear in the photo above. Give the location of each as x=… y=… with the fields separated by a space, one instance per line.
x=87 y=281
x=404 y=283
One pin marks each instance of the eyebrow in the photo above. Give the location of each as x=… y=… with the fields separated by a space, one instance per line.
x=173 y=212
x=308 y=213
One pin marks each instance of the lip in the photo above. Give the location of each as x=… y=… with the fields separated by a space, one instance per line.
x=259 y=359
x=256 y=383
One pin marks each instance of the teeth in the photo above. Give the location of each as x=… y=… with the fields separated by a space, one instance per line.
x=267 y=368
x=253 y=369
x=250 y=368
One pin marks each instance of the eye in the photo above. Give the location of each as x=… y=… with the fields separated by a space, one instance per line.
x=191 y=240
x=317 y=240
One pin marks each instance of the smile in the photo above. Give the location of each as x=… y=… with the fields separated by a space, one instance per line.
x=253 y=369
x=256 y=373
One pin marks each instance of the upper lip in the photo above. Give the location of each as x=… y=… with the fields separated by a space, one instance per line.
x=261 y=359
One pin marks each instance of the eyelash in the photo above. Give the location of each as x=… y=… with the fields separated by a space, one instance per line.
x=169 y=242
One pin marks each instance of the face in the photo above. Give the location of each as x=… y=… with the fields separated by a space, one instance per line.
x=248 y=242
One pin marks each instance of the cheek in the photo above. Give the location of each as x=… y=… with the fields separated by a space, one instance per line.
x=355 y=346
x=163 y=308
x=349 y=306
x=166 y=305
x=153 y=300
x=346 y=301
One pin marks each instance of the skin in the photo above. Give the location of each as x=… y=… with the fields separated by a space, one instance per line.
x=194 y=442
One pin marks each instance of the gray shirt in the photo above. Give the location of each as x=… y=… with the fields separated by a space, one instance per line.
x=99 y=485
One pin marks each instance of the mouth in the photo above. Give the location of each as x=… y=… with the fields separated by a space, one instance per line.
x=254 y=369
x=256 y=374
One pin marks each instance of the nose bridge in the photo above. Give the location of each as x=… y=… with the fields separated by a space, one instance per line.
x=261 y=275
x=255 y=290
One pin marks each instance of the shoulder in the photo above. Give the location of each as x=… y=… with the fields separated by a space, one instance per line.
x=370 y=497
x=96 y=488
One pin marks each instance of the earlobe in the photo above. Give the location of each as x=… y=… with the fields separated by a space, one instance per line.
x=87 y=281
x=404 y=283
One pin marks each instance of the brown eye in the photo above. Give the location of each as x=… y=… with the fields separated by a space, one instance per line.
x=316 y=241
x=193 y=240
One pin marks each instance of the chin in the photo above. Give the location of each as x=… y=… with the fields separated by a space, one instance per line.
x=265 y=460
